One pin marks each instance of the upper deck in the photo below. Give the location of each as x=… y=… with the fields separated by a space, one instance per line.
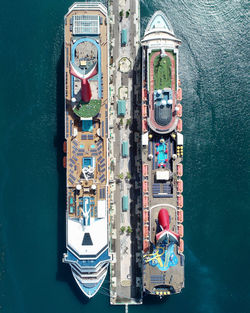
x=162 y=150
x=86 y=128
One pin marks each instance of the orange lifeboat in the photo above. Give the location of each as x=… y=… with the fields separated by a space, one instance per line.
x=179 y=125
x=146 y=231
x=64 y=161
x=179 y=169
x=180 y=201
x=181 y=247
x=144 y=125
x=181 y=230
x=145 y=170
x=179 y=94
x=145 y=245
x=145 y=186
x=145 y=202
x=180 y=216
x=179 y=185
x=145 y=217
x=144 y=110
x=65 y=146
x=179 y=112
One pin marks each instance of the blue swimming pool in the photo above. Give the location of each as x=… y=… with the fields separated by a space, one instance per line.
x=87 y=125
x=87 y=162
x=162 y=156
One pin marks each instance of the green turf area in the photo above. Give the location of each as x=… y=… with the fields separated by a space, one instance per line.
x=89 y=109
x=162 y=73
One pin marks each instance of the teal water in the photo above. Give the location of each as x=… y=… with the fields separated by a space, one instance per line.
x=214 y=73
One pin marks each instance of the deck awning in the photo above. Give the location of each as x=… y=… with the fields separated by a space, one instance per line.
x=162 y=175
x=121 y=107
x=179 y=139
x=101 y=208
x=145 y=139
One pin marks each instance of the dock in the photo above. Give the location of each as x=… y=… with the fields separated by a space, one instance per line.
x=125 y=204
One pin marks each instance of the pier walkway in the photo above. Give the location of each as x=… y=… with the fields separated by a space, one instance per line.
x=125 y=86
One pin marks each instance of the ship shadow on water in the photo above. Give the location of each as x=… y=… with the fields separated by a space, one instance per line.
x=151 y=299
x=63 y=270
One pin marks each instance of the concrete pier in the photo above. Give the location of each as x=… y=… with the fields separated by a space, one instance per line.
x=125 y=89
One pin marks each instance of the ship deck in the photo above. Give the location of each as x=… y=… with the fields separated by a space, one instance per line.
x=161 y=195
x=86 y=144
x=163 y=265
x=87 y=195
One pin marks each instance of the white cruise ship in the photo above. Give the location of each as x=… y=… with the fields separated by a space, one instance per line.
x=86 y=131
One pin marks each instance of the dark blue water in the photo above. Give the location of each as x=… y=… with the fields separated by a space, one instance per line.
x=214 y=73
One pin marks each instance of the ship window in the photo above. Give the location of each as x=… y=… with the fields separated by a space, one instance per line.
x=87 y=241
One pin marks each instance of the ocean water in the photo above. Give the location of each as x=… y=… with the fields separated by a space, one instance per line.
x=214 y=73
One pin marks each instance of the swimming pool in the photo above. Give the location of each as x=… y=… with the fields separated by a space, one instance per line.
x=162 y=154
x=87 y=162
x=87 y=125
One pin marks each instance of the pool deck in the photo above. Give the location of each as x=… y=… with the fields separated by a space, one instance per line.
x=98 y=136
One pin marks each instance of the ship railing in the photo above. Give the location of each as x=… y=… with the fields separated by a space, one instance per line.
x=88 y=6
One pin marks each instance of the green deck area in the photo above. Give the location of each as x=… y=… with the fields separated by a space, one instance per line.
x=162 y=70
x=89 y=109
x=162 y=73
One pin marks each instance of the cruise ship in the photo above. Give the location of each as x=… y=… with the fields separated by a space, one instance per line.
x=86 y=132
x=162 y=153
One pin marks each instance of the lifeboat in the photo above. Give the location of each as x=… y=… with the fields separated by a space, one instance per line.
x=181 y=230
x=181 y=247
x=65 y=146
x=145 y=186
x=179 y=125
x=179 y=94
x=180 y=216
x=145 y=245
x=144 y=126
x=180 y=201
x=179 y=112
x=179 y=169
x=145 y=217
x=64 y=161
x=145 y=202
x=146 y=231
x=144 y=110
x=179 y=185
x=145 y=170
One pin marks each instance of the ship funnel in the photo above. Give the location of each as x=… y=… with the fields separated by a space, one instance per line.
x=166 y=233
